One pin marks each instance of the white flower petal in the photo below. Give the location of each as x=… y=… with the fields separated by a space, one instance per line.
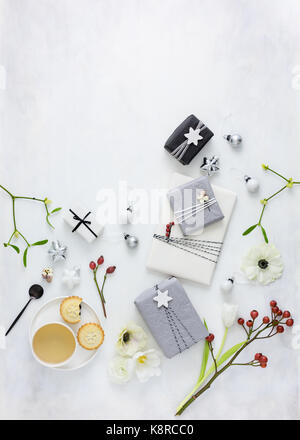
x=267 y=252
x=137 y=340
x=147 y=365
x=120 y=370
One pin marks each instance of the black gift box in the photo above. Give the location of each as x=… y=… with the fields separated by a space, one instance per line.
x=179 y=146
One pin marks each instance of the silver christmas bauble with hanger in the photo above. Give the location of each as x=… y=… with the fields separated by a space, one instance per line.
x=131 y=240
x=251 y=184
x=227 y=285
x=234 y=139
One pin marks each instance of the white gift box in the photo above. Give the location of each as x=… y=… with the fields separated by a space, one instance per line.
x=83 y=222
x=180 y=263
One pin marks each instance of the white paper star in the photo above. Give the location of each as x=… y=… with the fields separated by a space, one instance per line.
x=162 y=298
x=193 y=136
x=71 y=277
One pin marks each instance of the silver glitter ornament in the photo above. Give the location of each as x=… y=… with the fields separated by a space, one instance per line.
x=227 y=285
x=131 y=240
x=209 y=166
x=252 y=184
x=57 y=251
x=234 y=139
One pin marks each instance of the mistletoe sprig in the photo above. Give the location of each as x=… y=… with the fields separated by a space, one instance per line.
x=270 y=326
x=288 y=184
x=17 y=233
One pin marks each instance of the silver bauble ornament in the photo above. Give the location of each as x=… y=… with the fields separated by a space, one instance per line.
x=227 y=285
x=251 y=184
x=234 y=139
x=131 y=240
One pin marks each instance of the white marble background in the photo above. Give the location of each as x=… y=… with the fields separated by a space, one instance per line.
x=93 y=89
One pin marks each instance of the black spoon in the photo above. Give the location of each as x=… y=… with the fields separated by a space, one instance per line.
x=35 y=292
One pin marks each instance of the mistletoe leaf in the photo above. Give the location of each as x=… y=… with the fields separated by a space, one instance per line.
x=230 y=352
x=204 y=357
x=15 y=248
x=39 y=243
x=47 y=220
x=55 y=210
x=264 y=234
x=250 y=229
x=204 y=360
x=25 y=257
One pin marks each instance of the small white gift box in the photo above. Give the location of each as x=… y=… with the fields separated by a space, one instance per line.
x=83 y=222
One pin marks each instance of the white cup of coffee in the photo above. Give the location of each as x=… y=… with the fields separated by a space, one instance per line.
x=53 y=344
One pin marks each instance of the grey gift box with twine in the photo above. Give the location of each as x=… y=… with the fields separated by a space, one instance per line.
x=185 y=196
x=175 y=327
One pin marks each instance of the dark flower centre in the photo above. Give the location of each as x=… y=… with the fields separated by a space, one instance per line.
x=126 y=337
x=263 y=264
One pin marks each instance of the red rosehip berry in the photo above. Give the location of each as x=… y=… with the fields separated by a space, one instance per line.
x=92 y=265
x=241 y=321
x=290 y=322
x=258 y=356
x=111 y=269
x=263 y=365
x=273 y=303
x=279 y=313
x=249 y=323
x=172 y=223
x=100 y=260
x=280 y=329
x=263 y=359
x=210 y=337
x=275 y=309
x=266 y=320
x=286 y=314
x=254 y=314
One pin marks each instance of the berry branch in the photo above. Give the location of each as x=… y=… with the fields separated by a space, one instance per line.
x=274 y=325
x=94 y=267
x=16 y=232
x=289 y=184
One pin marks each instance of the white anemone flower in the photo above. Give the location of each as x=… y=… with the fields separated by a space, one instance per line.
x=120 y=369
x=263 y=262
x=131 y=339
x=229 y=312
x=147 y=364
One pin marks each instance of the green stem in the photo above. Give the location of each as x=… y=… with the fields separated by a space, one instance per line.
x=222 y=344
x=261 y=215
x=280 y=175
x=14 y=214
x=275 y=194
x=6 y=190
x=100 y=293
x=29 y=198
x=28 y=244
x=191 y=397
x=104 y=279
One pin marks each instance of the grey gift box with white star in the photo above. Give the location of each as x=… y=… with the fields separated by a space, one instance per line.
x=171 y=317
x=188 y=139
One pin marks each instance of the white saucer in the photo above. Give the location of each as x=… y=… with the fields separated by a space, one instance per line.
x=49 y=312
